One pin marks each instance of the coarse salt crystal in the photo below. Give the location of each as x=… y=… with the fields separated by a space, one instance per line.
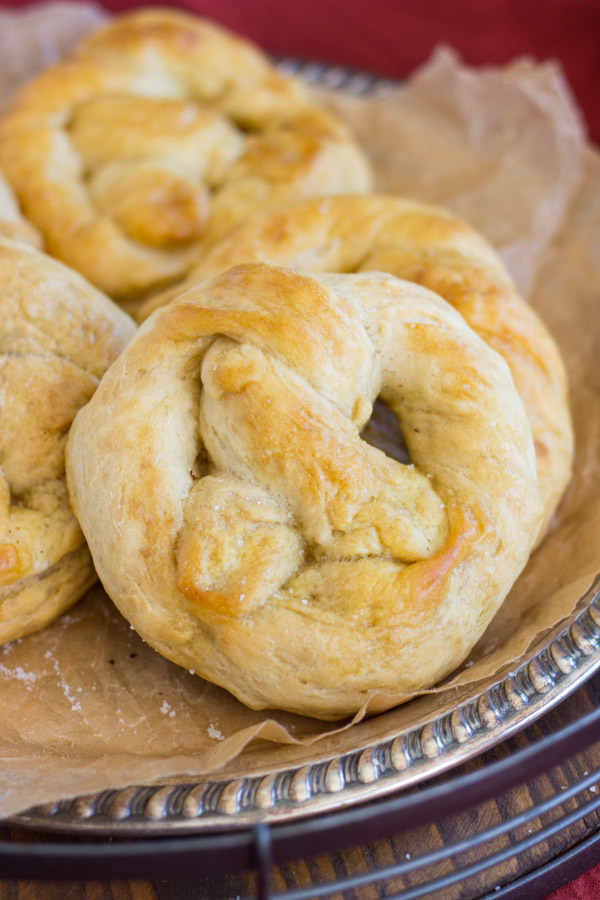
x=213 y=732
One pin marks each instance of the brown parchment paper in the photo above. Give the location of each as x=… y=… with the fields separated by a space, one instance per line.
x=85 y=703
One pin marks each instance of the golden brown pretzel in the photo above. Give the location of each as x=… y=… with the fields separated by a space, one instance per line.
x=431 y=247
x=159 y=134
x=57 y=337
x=245 y=529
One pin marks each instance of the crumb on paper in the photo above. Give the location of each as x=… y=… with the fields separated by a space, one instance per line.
x=19 y=673
x=213 y=732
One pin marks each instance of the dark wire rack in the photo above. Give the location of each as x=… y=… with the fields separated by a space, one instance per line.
x=263 y=845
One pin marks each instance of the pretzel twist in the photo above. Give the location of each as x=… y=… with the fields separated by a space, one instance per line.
x=159 y=134
x=430 y=247
x=57 y=337
x=12 y=223
x=245 y=529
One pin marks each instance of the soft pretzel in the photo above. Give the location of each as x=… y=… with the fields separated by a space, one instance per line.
x=431 y=247
x=12 y=223
x=57 y=337
x=159 y=134
x=245 y=529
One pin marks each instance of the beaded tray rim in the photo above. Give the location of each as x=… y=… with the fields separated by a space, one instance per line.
x=569 y=656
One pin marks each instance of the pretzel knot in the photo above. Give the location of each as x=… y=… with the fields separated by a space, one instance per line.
x=433 y=248
x=240 y=522
x=159 y=134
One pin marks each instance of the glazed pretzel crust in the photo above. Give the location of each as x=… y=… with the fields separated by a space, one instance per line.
x=245 y=529
x=57 y=337
x=159 y=134
x=431 y=247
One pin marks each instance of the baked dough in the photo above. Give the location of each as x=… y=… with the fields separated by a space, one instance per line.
x=58 y=335
x=12 y=223
x=245 y=529
x=431 y=247
x=159 y=134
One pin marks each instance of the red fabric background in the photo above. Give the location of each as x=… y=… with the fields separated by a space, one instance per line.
x=392 y=37
x=586 y=887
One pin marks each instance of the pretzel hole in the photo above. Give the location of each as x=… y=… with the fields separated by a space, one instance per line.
x=383 y=431
x=201 y=465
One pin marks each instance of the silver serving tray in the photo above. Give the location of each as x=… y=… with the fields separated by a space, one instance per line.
x=347 y=768
x=325 y=780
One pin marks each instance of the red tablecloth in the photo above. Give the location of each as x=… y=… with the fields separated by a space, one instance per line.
x=586 y=887
x=392 y=37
